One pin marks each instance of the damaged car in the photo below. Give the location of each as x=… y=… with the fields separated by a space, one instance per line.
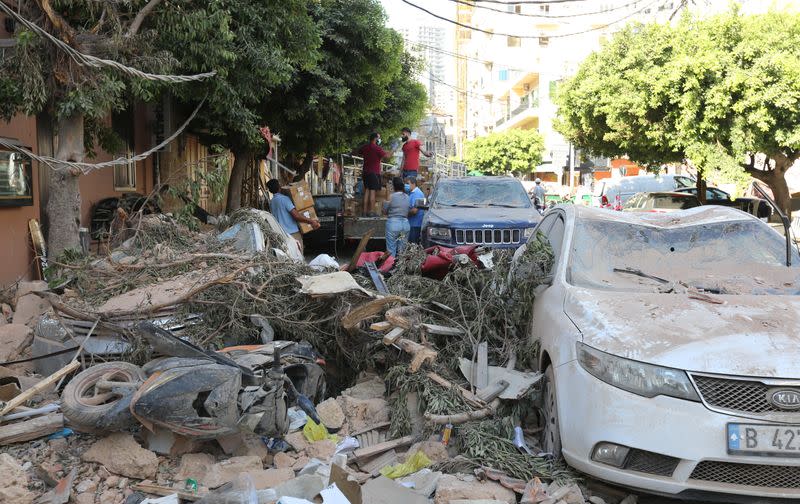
x=196 y=393
x=669 y=347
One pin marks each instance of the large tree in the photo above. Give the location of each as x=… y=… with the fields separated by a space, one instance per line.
x=267 y=43
x=715 y=92
x=512 y=151
x=57 y=70
x=363 y=81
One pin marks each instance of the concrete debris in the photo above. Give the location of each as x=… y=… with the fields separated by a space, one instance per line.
x=121 y=454
x=382 y=490
x=29 y=308
x=322 y=450
x=227 y=470
x=270 y=478
x=433 y=449
x=194 y=466
x=453 y=487
x=362 y=414
x=331 y=414
x=423 y=482
x=14 y=483
x=24 y=288
x=306 y=487
x=14 y=339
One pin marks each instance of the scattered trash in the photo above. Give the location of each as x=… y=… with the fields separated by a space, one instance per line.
x=322 y=262
x=317 y=432
x=413 y=464
x=65 y=432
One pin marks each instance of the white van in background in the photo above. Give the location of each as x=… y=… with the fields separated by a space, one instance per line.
x=626 y=187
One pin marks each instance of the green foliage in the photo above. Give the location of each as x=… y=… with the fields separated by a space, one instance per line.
x=512 y=151
x=708 y=90
x=209 y=175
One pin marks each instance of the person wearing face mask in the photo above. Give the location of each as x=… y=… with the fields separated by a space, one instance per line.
x=373 y=154
x=415 y=214
x=411 y=151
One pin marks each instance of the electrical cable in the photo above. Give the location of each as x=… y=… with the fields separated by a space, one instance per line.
x=561 y=35
x=546 y=16
x=461 y=56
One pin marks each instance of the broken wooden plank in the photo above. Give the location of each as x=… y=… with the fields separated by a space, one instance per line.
x=362 y=312
x=39 y=387
x=442 y=330
x=381 y=425
x=362 y=245
x=374 y=465
x=403 y=316
x=365 y=453
x=419 y=353
x=377 y=279
x=164 y=491
x=381 y=326
x=392 y=336
x=493 y=391
x=481 y=370
x=31 y=429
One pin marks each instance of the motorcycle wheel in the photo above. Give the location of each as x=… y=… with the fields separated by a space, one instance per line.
x=90 y=405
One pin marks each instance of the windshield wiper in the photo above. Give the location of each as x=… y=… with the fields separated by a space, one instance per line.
x=501 y=205
x=457 y=205
x=640 y=273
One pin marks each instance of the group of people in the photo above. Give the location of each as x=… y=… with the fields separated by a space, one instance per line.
x=404 y=218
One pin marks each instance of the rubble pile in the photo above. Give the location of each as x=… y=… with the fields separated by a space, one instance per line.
x=219 y=367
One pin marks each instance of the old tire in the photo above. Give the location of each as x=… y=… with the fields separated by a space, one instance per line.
x=551 y=433
x=112 y=413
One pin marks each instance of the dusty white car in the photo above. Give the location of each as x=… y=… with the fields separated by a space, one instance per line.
x=671 y=349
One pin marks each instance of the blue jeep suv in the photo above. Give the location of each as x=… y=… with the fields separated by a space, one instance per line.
x=490 y=211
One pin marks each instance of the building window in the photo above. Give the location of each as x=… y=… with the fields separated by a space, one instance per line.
x=16 y=179
x=503 y=74
x=544 y=41
x=125 y=176
x=513 y=41
x=544 y=8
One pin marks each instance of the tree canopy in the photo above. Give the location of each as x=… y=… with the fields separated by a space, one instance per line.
x=512 y=151
x=714 y=92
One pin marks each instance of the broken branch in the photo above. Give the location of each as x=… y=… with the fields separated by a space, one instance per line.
x=464 y=417
x=140 y=17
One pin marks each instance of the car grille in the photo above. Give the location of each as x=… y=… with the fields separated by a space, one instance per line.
x=752 y=475
x=651 y=463
x=488 y=236
x=744 y=396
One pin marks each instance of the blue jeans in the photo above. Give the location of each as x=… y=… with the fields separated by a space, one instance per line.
x=397 y=229
x=414 y=234
x=410 y=174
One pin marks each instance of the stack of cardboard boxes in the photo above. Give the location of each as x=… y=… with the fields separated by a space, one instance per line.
x=303 y=202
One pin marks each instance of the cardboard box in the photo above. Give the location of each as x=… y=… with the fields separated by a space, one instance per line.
x=308 y=213
x=300 y=194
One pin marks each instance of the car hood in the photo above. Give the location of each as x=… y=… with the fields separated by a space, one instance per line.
x=470 y=217
x=746 y=335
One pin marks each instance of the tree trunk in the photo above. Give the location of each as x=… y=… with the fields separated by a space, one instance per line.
x=64 y=203
x=701 y=187
x=775 y=179
x=241 y=159
x=307 y=161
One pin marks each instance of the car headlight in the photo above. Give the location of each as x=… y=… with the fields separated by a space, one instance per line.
x=439 y=233
x=637 y=377
x=528 y=233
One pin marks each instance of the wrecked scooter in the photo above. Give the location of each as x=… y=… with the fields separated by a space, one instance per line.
x=197 y=393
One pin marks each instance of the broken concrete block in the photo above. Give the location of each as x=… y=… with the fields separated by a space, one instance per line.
x=252 y=446
x=270 y=478
x=300 y=462
x=14 y=338
x=434 y=450
x=297 y=440
x=476 y=501
x=24 y=288
x=322 y=450
x=331 y=414
x=29 y=308
x=283 y=460
x=6 y=313
x=363 y=413
x=451 y=487
x=372 y=387
x=121 y=454
x=306 y=487
x=596 y=500
x=227 y=470
x=194 y=466
x=14 y=483
x=424 y=482
x=85 y=498
x=382 y=490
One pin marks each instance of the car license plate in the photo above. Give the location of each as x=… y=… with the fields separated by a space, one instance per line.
x=326 y=219
x=764 y=440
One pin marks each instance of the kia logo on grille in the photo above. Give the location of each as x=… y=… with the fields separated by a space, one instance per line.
x=784 y=399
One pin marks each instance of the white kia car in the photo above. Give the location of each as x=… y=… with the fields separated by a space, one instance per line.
x=671 y=349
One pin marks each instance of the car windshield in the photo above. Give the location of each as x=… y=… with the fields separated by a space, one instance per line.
x=472 y=194
x=735 y=257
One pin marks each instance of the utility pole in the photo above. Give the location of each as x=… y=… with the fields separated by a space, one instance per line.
x=572 y=153
x=464 y=12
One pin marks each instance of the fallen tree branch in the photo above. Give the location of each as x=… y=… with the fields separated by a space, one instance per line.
x=467 y=416
x=468 y=396
x=362 y=312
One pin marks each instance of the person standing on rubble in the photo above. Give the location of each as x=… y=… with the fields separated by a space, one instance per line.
x=397 y=226
x=373 y=154
x=286 y=214
x=415 y=214
x=411 y=151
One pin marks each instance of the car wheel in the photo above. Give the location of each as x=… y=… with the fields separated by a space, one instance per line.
x=551 y=434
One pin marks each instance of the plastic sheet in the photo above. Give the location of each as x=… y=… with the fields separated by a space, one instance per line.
x=413 y=464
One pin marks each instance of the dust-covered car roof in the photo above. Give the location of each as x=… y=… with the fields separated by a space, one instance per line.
x=709 y=214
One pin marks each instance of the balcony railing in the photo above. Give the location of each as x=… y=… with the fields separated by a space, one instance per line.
x=526 y=103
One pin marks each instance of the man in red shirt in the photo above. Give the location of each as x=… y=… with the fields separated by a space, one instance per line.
x=373 y=155
x=411 y=151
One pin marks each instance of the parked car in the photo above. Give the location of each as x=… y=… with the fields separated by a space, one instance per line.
x=491 y=211
x=669 y=348
x=606 y=190
x=661 y=202
x=756 y=206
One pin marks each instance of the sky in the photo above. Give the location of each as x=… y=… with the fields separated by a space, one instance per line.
x=403 y=15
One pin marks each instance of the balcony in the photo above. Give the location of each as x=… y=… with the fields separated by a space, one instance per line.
x=523 y=116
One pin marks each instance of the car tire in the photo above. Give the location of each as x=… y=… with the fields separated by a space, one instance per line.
x=551 y=433
x=109 y=415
